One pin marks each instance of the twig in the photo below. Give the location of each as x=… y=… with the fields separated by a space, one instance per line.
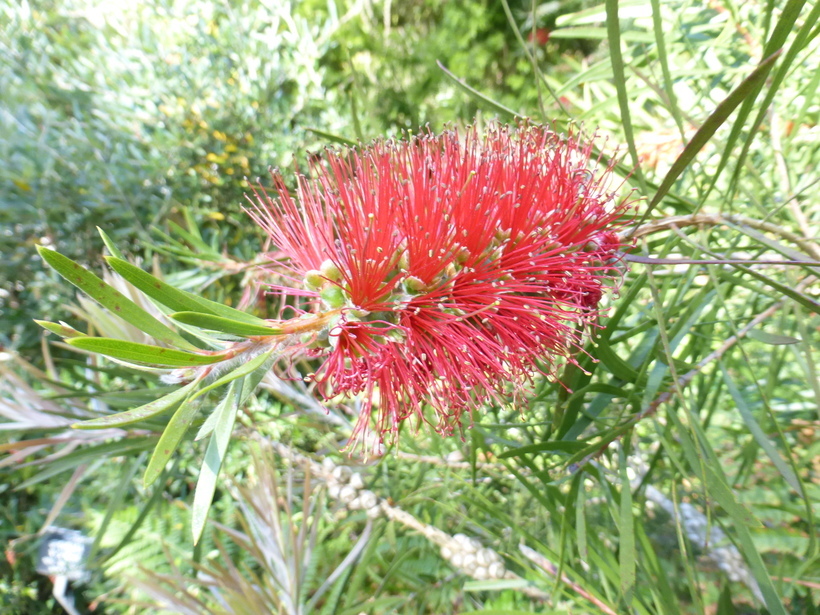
x=705 y=219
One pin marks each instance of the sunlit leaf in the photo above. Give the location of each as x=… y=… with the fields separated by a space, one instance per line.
x=142 y=353
x=177 y=300
x=224 y=325
x=112 y=299
x=151 y=409
x=214 y=455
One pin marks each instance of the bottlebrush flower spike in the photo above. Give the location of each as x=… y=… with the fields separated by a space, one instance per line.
x=458 y=265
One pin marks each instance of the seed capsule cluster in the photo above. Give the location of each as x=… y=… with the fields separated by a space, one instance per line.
x=469 y=556
x=347 y=487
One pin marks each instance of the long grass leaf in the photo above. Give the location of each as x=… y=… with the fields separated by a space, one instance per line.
x=773 y=48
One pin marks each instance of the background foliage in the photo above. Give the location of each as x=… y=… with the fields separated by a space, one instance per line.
x=146 y=119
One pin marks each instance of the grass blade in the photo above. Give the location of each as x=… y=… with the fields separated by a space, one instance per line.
x=759 y=435
x=613 y=27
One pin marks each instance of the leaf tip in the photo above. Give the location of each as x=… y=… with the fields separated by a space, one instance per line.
x=43 y=251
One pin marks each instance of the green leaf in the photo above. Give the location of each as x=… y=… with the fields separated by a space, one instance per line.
x=614 y=363
x=333 y=138
x=709 y=127
x=559 y=446
x=223 y=325
x=613 y=34
x=725 y=605
x=139 y=414
x=772 y=338
x=109 y=243
x=215 y=453
x=253 y=372
x=461 y=84
x=142 y=353
x=112 y=299
x=782 y=30
x=239 y=372
x=785 y=289
x=626 y=530
x=747 y=546
x=88 y=454
x=194 y=238
x=785 y=24
x=61 y=329
x=174 y=298
x=495 y=585
x=759 y=435
x=169 y=440
x=593 y=33
x=660 y=43
x=718 y=489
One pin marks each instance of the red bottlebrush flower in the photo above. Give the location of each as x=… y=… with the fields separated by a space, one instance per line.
x=458 y=265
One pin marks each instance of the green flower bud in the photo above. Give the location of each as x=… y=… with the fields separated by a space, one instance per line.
x=413 y=285
x=314 y=280
x=330 y=271
x=404 y=261
x=333 y=296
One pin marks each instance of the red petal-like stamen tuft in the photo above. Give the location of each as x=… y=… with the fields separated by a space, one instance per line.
x=460 y=265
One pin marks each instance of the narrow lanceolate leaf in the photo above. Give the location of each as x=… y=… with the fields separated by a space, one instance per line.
x=215 y=453
x=626 y=529
x=169 y=440
x=460 y=83
x=112 y=299
x=142 y=413
x=142 y=353
x=772 y=339
x=109 y=243
x=61 y=329
x=224 y=325
x=239 y=372
x=759 y=435
x=709 y=127
x=722 y=493
x=613 y=33
x=174 y=298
